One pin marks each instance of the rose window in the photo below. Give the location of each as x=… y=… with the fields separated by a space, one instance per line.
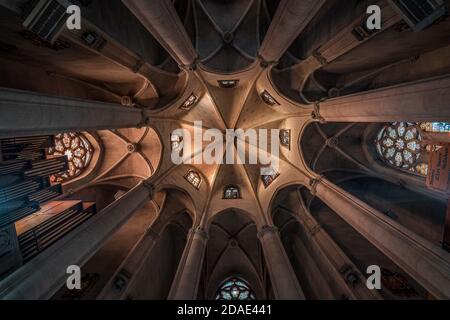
x=78 y=150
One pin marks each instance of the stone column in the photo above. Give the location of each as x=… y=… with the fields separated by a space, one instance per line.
x=160 y=18
x=331 y=259
x=127 y=272
x=341 y=43
x=26 y=113
x=291 y=18
x=426 y=263
x=187 y=278
x=43 y=276
x=282 y=276
x=420 y=101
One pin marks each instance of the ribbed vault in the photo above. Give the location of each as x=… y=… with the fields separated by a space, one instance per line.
x=295 y=67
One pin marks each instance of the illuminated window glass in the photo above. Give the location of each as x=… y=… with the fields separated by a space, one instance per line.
x=399 y=145
x=268 y=179
x=268 y=99
x=79 y=153
x=231 y=192
x=228 y=83
x=175 y=141
x=435 y=126
x=422 y=169
x=235 y=289
x=193 y=178
x=285 y=137
x=189 y=103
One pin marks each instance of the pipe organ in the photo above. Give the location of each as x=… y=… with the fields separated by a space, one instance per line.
x=26 y=194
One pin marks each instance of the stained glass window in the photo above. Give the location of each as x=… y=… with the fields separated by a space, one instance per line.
x=235 y=289
x=399 y=145
x=228 y=83
x=285 y=137
x=79 y=153
x=190 y=102
x=268 y=179
x=435 y=126
x=231 y=192
x=193 y=178
x=175 y=141
x=267 y=98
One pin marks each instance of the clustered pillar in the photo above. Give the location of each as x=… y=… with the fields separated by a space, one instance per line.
x=420 y=101
x=26 y=113
x=187 y=278
x=426 y=263
x=284 y=281
x=43 y=276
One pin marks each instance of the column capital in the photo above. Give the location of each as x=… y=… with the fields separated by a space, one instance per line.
x=150 y=187
x=267 y=229
x=314 y=230
x=145 y=121
x=313 y=184
x=315 y=114
x=199 y=232
x=266 y=63
x=190 y=67
x=319 y=57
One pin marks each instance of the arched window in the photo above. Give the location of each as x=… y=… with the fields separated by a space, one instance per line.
x=176 y=140
x=193 y=178
x=285 y=137
x=231 y=192
x=235 y=289
x=399 y=145
x=79 y=153
x=189 y=102
x=268 y=179
x=268 y=99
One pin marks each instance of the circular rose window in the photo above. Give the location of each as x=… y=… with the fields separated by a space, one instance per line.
x=78 y=150
x=399 y=145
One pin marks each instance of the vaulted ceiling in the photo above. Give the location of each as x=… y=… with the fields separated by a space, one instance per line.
x=158 y=62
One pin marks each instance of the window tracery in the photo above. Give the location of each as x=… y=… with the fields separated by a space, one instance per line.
x=176 y=141
x=268 y=179
x=268 y=99
x=285 y=137
x=79 y=153
x=231 y=192
x=189 y=103
x=193 y=178
x=235 y=289
x=401 y=145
